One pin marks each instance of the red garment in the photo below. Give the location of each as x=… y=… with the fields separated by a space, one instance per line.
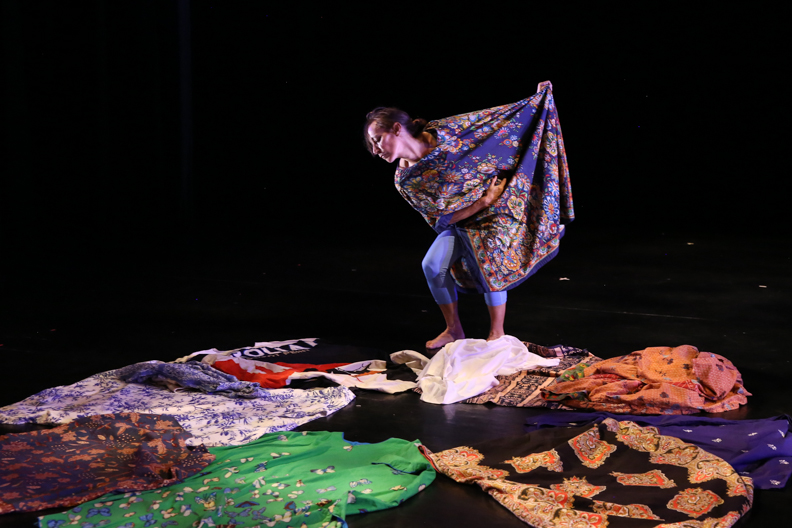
x=268 y=375
x=92 y=456
x=657 y=380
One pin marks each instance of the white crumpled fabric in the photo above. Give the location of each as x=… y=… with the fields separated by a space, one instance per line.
x=467 y=367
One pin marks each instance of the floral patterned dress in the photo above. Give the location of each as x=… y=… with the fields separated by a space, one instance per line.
x=308 y=479
x=509 y=241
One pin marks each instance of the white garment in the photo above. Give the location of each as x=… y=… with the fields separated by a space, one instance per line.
x=411 y=358
x=467 y=367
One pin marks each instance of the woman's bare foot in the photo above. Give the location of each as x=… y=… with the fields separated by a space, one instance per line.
x=493 y=335
x=447 y=336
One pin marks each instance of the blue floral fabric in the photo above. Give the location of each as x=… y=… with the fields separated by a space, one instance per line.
x=212 y=419
x=521 y=142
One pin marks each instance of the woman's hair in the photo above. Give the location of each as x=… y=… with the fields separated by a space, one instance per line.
x=385 y=117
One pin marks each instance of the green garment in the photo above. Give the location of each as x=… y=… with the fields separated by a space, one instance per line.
x=298 y=479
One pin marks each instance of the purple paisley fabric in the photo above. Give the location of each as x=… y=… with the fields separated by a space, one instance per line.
x=509 y=241
x=84 y=459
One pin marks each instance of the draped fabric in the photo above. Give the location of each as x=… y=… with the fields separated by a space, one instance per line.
x=760 y=449
x=524 y=388
x=509 y=241
x=308 y=480
x=211 y=419
x=196 y=376
x=656 y=380
x=610 y=475
x=92 y=456
x=467 y=367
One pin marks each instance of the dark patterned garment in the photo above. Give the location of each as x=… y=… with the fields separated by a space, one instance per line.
x=524 y=388
x=94 y=455
x=521 y=142
x=614 y=474
x=760 y=449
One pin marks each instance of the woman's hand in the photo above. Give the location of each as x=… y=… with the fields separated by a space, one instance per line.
x=496 y=188
x=494 y=192
x=542 y=84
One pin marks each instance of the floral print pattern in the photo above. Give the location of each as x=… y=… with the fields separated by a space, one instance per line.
x=308 y=479
x=94 y=455
x=656 y=380
x=213 y=420
x=521 y=142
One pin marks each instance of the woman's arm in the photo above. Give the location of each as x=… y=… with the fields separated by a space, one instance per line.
x=494 y=192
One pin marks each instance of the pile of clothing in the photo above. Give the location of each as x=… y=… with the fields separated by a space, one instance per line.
x=208 y=439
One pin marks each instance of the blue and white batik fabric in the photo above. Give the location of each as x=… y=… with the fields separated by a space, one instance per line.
x=213 y=420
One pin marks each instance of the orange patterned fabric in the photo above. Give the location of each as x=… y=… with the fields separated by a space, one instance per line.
x=656 y=380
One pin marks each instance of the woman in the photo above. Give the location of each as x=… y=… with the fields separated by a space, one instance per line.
x=494 y=184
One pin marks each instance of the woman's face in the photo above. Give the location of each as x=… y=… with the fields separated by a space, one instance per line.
x=386 y=143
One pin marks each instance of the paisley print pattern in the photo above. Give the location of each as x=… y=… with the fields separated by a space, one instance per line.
x=521 y=142
x=741 y=443
x=695 y=502
x=539 y=506
x=580 y=519
x=590 y=449
x=578 y=486
x=462 y=464
x=547 y=459
x=633 y=511
x=701 y=465
x=583 y=466
x=678 y=456
x=654 y=478
x=713 y=522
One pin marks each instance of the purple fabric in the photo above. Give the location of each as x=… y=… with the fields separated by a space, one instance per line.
x=760 y=449
x=509 y=241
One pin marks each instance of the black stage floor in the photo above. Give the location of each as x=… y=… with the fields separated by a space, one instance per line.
x=66 y=316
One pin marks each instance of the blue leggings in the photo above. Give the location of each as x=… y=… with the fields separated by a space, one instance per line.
x=443 y=252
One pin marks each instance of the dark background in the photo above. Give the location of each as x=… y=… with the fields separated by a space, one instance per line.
x=177 y=175
x=135 y=129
